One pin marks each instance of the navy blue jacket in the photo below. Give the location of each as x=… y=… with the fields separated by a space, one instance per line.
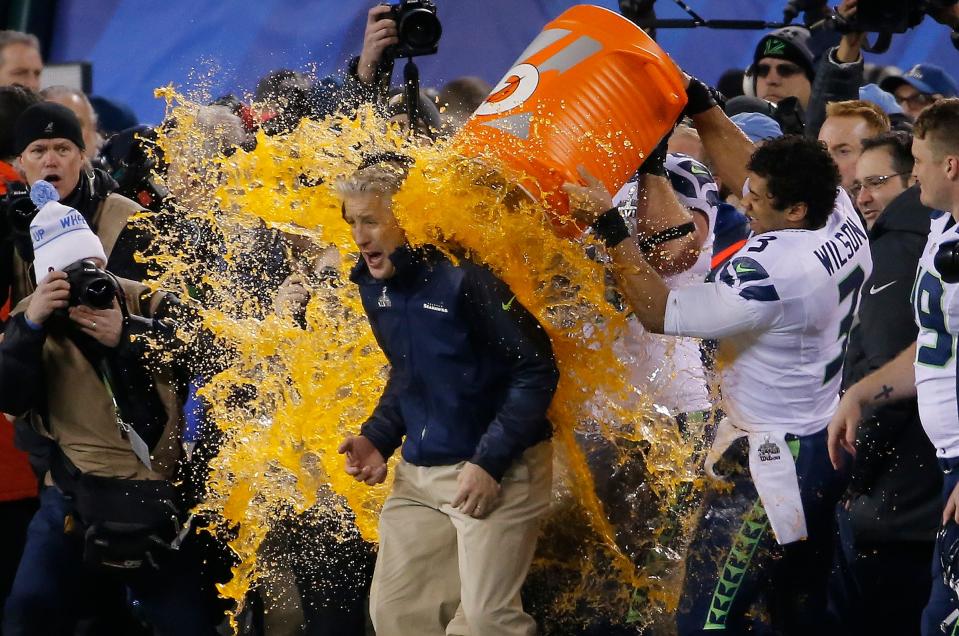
x=472 y=371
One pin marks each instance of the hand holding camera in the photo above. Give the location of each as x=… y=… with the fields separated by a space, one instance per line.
x=851 y=43
x=380 y=33
x=93 y=302
x=409 y=28
x=52 y=293
x=103 y=325
x=87 y=295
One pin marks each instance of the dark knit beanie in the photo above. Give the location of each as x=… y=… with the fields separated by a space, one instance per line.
x=47 y=120
x=788 y=43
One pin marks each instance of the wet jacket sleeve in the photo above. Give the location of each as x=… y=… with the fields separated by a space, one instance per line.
x=355 y=93
x=835 y=82
x=385 y=428
x=21 y=367
x=518 y=340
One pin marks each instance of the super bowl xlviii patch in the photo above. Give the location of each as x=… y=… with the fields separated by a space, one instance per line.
x=769 y=451
x=384 y=300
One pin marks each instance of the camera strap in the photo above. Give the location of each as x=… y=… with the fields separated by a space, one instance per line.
x=140 y=448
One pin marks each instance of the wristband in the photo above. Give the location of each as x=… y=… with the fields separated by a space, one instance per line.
x=699 y=98
x=611 y=228
x=647 y=243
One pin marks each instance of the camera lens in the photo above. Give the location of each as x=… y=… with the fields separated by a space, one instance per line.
x=420 y=28
x=99 y=293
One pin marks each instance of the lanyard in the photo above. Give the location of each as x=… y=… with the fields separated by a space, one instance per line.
x=140 y=448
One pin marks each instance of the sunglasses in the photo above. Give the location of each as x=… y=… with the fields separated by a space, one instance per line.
x=783 y=70
x=916 y=100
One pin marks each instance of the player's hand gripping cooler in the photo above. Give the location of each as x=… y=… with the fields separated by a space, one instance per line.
x=593 y=90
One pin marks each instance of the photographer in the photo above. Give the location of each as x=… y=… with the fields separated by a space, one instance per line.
x=109 y=510
x=839 y=73
x=49 y=142
x=405 y=30
x=368 y=76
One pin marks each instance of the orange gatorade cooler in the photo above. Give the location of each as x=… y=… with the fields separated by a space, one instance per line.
x=592 y=89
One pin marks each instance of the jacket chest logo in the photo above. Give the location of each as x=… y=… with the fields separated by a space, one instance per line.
x=436 y=307
x=384 y=300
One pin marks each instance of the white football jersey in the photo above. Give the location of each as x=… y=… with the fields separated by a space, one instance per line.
x=936 y=307
x=670 y=369
x=782 y=309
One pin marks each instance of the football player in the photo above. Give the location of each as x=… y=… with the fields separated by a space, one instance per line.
x=781 y=309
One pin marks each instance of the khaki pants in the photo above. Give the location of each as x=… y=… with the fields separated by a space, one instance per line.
x=440 y=572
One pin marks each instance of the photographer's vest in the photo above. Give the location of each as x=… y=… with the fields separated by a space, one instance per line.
x=81 y=417
x=111 y=218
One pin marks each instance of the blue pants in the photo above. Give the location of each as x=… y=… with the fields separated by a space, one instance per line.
x=878 y=588
x=942 y=600
x=53 y=590
x=738 y=579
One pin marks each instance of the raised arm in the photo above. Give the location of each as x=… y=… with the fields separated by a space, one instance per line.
x=727 y=147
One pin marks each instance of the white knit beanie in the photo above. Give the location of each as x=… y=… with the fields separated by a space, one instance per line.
x=60 y=234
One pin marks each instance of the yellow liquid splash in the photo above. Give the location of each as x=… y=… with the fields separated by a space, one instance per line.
x=305 y=389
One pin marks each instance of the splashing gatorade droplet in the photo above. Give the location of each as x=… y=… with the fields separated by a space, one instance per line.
x=283 y=396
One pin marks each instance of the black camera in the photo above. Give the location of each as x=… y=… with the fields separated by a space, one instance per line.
x=872 y=16
x=16 y=208
x=417 y=27
x=892 y=16
x=90 y=285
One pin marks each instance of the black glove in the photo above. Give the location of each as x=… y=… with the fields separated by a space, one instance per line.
x=701 y=98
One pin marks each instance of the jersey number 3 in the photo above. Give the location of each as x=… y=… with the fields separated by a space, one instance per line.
x=849 y=287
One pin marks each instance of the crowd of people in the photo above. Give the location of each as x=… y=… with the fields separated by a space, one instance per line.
x=788 y=260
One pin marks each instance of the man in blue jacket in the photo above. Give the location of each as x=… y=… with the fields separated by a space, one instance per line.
x=472 y=375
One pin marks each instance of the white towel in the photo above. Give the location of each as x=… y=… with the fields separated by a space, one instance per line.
x=773 y=472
